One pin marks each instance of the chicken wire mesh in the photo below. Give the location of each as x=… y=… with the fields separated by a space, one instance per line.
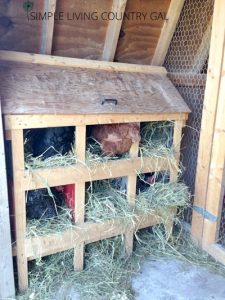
x=187 y=63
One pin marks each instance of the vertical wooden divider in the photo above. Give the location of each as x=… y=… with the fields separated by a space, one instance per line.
x=177 y=136
x=20 y=208
x=80 y=141
x=131 y=195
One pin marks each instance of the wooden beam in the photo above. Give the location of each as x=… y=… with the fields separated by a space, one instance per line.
x=20 y=208
x=48 y=27
x=208 y=119
x=167 y=32
x=113 y=31
x=78 y=63
x=80 y=142
x=7 y=288
x=43 y=121
x=87 y=233
x=79 y=173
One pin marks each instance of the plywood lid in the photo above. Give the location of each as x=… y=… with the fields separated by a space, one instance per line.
x=27 y=88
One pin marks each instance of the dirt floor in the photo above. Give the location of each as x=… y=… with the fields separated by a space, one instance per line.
x=164 y=279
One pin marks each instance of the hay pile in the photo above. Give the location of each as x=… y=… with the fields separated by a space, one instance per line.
x=105 y=202
x=56 y=225
x=108 y=272
x=161 y=196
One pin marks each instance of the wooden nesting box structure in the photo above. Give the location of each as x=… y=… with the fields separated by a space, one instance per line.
x=184 y=27
x=36 y=94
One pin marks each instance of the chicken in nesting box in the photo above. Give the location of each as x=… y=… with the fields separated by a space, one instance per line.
x=116 y=138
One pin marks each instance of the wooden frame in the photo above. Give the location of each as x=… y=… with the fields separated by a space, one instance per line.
x=210 y=170
x=80 y=173
x=7 y=288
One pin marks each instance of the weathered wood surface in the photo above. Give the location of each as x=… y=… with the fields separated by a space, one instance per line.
x=78 y=63
x=79 y=37
x=39 y=89
x=139 y=35
x=7 y=288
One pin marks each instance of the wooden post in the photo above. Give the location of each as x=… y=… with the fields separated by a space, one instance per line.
x=7 y=288
x=208 y=120
x=216 y=181
x=167 y=32
x=80 y=197
x=131 y=195
x=48 y=28
x=20 y=208
x=113 y=31
x=177 y=136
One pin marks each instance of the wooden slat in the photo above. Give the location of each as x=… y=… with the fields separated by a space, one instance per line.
x=216 y=181
x=78 y=63
x=88 y=233
x=79 y=173
x=20 y=208
x=48 y=28
x=208 y=117
x=7 y=288
x=177 y=136
x=80 y=197
x=113 y=31
x=167 y=32
x=37 y=121
x=131 y=196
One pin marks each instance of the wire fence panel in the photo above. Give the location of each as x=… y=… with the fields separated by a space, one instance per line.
x=187 y=63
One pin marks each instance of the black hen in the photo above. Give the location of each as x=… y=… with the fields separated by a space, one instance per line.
x=40 y=205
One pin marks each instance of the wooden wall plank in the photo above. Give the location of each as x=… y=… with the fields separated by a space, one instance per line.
x=139 y=35
x=48 y=28
x=113 y=31
x=167 y=32
x=7 y=289
x=17 y=32
x=77 y=35
x=208 y=118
